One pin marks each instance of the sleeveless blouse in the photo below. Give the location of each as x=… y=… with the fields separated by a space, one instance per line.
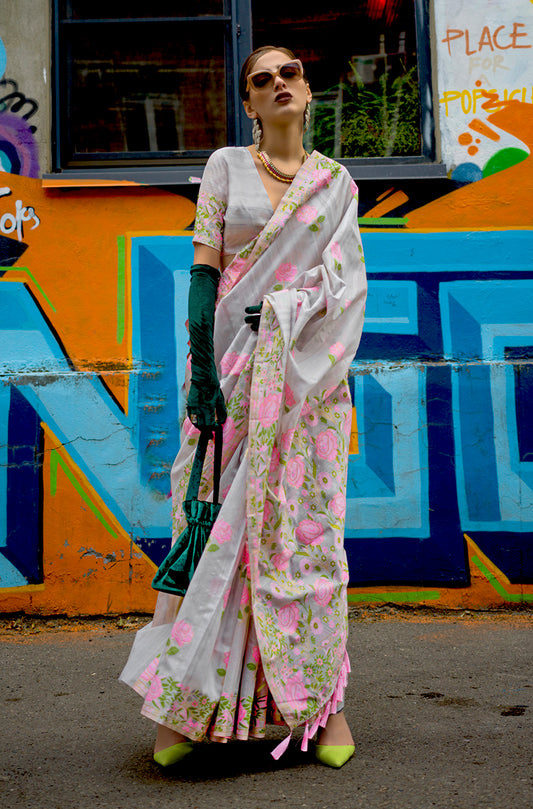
x=233 y=205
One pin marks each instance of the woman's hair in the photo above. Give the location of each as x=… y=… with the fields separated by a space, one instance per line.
x=248 y=65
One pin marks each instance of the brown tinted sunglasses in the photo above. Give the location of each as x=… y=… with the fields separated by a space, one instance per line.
x=262 y=79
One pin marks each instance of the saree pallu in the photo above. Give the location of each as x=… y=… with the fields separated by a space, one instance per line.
x=261 y=632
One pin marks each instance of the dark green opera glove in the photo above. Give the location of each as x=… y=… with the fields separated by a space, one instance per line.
x=205 y=403
x=253 y=316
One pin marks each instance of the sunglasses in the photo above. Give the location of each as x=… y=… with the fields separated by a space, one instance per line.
x=261 y=79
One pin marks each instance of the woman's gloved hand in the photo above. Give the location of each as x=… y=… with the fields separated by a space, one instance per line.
x=205 y=403
x=253 y=316
x=206 y=406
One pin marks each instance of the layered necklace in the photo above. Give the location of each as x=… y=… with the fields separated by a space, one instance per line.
x=274 y=171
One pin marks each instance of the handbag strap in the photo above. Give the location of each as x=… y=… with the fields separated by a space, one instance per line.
x=198 y=463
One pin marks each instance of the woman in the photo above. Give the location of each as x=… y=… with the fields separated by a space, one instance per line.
x=261 y=632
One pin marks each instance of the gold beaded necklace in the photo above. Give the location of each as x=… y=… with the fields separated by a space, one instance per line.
x=275 y=172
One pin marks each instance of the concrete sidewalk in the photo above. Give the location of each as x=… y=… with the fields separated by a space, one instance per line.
x=441 y=710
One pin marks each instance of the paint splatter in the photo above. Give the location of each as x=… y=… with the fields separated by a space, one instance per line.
x=479 y=126
x=387 y=202
x=18 y=148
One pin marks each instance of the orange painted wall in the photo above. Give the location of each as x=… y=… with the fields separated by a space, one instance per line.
x=77 y=265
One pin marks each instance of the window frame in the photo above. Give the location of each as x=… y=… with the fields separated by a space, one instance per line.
x=164 y=168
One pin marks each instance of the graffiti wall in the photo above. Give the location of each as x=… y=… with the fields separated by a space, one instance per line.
x=18 y=147
x=93 y=290
x=484 y=55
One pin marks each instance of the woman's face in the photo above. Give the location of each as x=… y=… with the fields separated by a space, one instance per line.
x=281 y=98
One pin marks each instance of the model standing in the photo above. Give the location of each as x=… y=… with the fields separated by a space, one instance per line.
x=261 y=633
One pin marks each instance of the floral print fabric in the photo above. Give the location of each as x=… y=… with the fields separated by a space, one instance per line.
x=266 y=612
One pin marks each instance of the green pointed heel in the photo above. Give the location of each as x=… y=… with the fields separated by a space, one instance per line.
x=173 y=754
x=334 y=755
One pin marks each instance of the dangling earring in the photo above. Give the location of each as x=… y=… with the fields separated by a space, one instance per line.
x=257 y=133
x=307 y=116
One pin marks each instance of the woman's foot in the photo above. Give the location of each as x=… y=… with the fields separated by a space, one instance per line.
x=335 y=744
x=166 y=737
x=170 y=746
x=336 y=731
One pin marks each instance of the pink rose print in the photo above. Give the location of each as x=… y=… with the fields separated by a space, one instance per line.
x=275 y=459
x=337 y=349
x=326 y=445
x=233 y=363
x=242 y=714
x=155 y=690
x=226 y=659
x=281 y=560
x=268 y=511
x=222 y=532
x=306 y=408
x=338 y=505
x=231 y=275
x=147 y=675
x=295 y=471
x=269 y=409
x=286 y=439
x=295 y=692
x=245 y=597
x=286 y=272
x=306 y=214
x=290 y=401
x=256 y=654
x=288 y=618
x=336 y=251
x=354 y=188
x=323 y=591
x=322 y=177
x=229 y=431
x=348 y=423
x=309 y=532
x=182 y=633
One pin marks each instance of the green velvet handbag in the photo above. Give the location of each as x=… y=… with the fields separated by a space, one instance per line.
x=177 y=569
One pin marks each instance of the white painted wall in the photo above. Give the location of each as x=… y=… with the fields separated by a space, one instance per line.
x=480 y=45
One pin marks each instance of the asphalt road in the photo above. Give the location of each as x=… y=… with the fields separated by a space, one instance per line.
x=441 y=710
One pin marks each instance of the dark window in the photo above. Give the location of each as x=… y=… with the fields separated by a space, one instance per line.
x=146 y=84
x=361 y=60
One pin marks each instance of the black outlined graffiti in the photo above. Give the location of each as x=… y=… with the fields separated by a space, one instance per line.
x=15 y=101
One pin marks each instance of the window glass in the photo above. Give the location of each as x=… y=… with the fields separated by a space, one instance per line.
x=146 y=87
x=131 y=9
x=362 y=67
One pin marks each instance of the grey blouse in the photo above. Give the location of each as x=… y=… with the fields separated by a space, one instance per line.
x=233 y=205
